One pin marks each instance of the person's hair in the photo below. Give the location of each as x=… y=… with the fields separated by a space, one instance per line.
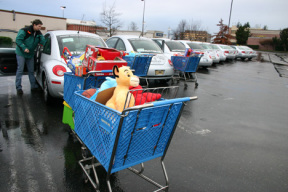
x=37 y=22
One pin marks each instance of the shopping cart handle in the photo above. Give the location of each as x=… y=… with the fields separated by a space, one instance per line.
x=193 y=98
x=170 y=101
x=103 y=71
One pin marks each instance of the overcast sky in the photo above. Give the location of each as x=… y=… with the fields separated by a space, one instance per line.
x=162 y=14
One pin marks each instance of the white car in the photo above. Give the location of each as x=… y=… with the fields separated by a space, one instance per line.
x=242 y=53
x=161 y=67
x=219 y=52
x=252 y=52
x=170 y=47
x=50 y=66
x=208 y=47
x=206 y=59
x=229 y=52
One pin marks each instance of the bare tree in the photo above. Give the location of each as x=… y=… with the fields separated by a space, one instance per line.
x=175 y=34
x=181 y=28
x=109 y=18
x=133 y=26
x=194 y=31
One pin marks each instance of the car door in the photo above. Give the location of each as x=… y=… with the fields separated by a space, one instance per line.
x=43 y=54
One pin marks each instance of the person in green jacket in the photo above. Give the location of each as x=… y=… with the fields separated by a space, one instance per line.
x=27 y=40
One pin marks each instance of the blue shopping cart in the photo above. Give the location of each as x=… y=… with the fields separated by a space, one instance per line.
x=185 y=66
x=140 y=64
x=119 y=141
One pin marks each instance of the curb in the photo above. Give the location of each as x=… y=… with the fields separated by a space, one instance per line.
x=277 y=62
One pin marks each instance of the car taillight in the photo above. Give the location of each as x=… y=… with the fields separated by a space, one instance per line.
x=226 y=52
x=210 y=56
x=59 y=70
x=243 y=51
x=170 y=62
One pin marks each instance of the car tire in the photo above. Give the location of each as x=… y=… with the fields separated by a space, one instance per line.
x=242 y=59
x=47 y=97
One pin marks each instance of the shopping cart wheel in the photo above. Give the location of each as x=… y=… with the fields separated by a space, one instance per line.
x=196 y=85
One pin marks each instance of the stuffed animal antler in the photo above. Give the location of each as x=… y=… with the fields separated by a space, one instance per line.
x=124 y=78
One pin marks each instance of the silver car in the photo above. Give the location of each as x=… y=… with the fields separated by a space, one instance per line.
x=252 y=52
x=206 y=59
x=50 y=66
x=170 y=47
x=228 y=51
x=242 y=53
x=161 y=67
x=219 y=52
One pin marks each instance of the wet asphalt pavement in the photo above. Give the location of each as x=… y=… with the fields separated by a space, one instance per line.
x=233 y=138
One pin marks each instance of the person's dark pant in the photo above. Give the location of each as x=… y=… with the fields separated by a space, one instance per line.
x=20 y=68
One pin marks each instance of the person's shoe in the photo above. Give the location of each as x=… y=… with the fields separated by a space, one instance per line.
x=19 y=92
x=36 y=89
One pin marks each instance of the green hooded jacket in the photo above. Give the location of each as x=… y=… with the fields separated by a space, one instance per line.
x=27 y=40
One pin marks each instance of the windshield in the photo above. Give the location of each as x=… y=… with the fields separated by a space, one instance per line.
x=175 y=46
x=77 y=43
x=145 y=46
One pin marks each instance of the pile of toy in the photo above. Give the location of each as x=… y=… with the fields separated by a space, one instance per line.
x=94 y=59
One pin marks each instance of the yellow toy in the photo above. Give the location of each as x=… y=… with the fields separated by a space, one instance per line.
x=124 y=78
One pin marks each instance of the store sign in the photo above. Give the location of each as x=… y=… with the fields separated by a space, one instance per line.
x=158 y=34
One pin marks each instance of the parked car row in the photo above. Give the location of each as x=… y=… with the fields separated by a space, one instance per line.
x=50 y=66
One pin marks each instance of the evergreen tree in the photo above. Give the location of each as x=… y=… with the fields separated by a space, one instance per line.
x=242 y=33
x=284 y=38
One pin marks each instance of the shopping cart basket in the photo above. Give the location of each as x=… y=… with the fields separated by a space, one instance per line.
x=73 y=83
x=140 y=63
x=186 y=65
x=120 y=140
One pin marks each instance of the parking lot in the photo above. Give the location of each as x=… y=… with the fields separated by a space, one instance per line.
x=233 y=138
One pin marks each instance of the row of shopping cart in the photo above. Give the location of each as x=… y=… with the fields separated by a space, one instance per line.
x=118 y=141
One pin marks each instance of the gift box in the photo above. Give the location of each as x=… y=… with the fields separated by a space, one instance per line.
x=91 y=51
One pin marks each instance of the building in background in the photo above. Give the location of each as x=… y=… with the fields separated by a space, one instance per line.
x=195 y=35
x=258 y=36
x=87 y=26
x=13 y=21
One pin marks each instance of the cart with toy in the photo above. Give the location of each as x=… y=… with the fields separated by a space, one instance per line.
x=185 y=65
x=118 y=141
x=99 y=62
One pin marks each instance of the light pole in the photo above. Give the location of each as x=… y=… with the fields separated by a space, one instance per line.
x=169 y=29
x=230 y=15
x=63 y=7
x=143 y=19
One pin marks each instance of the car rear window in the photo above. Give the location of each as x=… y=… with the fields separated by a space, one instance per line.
x=175 y=46
x=144 y=46
x=77 y=43
x=195 y=46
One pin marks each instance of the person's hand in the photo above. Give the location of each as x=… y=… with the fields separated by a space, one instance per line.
x=26 y=50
